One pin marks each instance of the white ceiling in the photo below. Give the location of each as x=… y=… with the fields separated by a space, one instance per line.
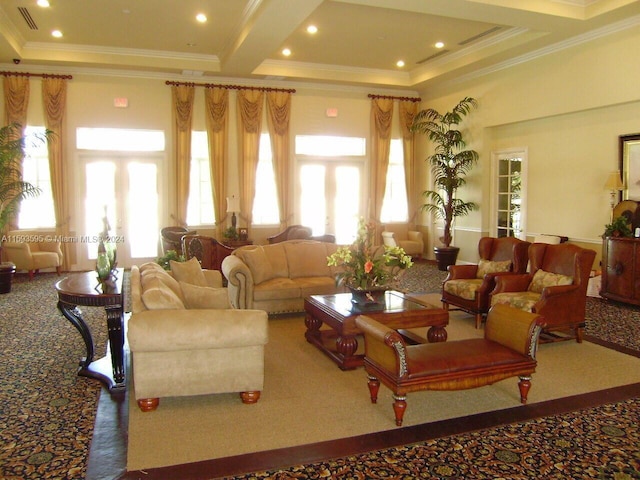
x=358 y=41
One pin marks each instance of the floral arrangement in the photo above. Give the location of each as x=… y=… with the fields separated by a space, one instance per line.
x=360 y=268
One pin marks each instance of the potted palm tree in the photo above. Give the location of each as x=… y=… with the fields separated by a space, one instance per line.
x=450 y=163
x=13 y=189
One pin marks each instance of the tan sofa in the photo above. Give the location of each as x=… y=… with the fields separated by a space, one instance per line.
x=276 y=278
x=185 y=340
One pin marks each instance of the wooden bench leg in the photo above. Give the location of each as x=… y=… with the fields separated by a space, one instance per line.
x=374 y=386
x=399 y=406
x=524 y=385
x=579 y=334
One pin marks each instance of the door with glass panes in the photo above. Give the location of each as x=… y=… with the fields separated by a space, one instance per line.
x=127 y=187
x=330 y=197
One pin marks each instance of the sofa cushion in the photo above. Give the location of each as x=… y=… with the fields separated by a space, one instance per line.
x=542 y=279
x=158 y=296
x=196 y=297
x=307 y=260
x=188 y=272
x=257 y=261
x=520 y=300
x=488 y=266
x=278 y=259
x=276 y=289
x=316 y=286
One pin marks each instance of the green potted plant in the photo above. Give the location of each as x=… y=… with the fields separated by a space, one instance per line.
x=450 y=163
x=13 y=189
x=231 y=233
x=619 y=227
x=169 y=255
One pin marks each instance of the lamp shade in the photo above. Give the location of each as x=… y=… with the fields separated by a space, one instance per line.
x=233 y=204
x=614 y=182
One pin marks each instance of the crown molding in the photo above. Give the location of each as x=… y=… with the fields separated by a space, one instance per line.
x=550 y=49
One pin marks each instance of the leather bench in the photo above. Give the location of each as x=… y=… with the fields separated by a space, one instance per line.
x=508 y=349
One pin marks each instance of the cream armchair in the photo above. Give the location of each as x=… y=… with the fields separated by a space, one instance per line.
x=411 y=241
x=32 y=252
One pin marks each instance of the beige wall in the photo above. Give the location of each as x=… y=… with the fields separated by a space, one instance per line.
x=568 y=110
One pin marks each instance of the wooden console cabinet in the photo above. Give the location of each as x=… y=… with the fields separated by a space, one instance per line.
x=621 y=270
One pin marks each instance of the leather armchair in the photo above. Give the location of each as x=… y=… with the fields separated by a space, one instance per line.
x=33 y=256
x=412 y=244
x=172 y=238
x=468 y=286
x=300 y=232
x=555 y=288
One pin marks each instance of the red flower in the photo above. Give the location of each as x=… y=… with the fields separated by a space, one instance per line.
x=368 y=266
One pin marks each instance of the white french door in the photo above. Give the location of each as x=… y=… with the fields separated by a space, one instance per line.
x=330 y=196
x=127 y=186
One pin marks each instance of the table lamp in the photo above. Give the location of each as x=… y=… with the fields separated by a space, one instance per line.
x=614 y=185
x=233 y=206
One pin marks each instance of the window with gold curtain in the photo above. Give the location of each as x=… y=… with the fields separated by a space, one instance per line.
x=217 y=120
x=381 y=116
x=249 y=105
x=54 y=98
x=408 y=110
x=182 y=97
x=278 y=120
x=16 y=101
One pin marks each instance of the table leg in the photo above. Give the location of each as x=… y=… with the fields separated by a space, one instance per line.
x=116 y=342
x=437 y=333
x=74 y=315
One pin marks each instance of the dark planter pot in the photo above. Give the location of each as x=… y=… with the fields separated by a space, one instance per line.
x=6 y=275
x=446 y=256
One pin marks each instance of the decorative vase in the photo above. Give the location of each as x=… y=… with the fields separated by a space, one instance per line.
x=103 y=265
x=7 y=269
x=371 y=297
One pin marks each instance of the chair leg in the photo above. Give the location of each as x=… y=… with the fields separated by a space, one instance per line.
x=31 y=273
x=524 y=385
x=478 y=320
x=148 y=404
x=579 y=334
x=250 y=397
x=374 y=386
x=59 y=270
x=399 y=407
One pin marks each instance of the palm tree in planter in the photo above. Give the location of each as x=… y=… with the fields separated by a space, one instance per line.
x=450 y=164
x=12 y=187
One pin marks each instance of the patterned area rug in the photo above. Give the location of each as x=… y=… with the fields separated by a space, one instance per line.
x=47 y=412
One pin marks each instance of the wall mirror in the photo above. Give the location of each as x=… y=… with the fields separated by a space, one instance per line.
x=630 y=166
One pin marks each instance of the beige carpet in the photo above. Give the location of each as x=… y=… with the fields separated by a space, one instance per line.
x=307 y=399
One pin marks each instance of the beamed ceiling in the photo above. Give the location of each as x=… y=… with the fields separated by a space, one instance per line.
x=358 y=42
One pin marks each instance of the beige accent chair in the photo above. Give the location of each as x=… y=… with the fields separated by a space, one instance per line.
x=186 y=340
x=411 y=241
x=33 y=256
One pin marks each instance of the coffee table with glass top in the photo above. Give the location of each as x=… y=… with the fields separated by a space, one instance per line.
x=340 y=340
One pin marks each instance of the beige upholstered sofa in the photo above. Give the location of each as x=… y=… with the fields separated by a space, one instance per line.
x=186 y=340
x=276 y=278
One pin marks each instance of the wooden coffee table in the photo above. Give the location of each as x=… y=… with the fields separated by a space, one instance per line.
x=340 y=341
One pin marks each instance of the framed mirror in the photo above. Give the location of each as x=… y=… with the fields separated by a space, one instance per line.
x=630 y=166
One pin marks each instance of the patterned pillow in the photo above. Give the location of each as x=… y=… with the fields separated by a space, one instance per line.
x=487 y=266
x=543 y=279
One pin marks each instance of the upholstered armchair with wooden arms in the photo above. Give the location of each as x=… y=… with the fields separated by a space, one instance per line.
x=413 y=244
x=468 y=287
x=33 y=256
x=556 y=288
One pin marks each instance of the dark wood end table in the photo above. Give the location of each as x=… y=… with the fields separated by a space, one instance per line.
x=84 y=289
x=340 y=341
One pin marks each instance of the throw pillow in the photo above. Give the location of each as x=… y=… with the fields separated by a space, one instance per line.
x=487 y=266
x=196 y=297
x=161 y=275
x=151 y=266
x=188 y=272
x=543 y=279
x=257 y=261
x=157 y=296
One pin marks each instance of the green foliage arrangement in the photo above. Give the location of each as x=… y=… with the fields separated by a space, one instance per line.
x=360 y=268
x=449 y=164
x=619 y=227
x=167 y=257
x=231 y=233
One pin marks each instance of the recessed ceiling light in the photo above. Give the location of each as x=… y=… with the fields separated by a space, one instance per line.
x=439 y=44
x=400 y=63
x=56 y=33
x=286 y=52
x=43 y=3
x=201 y=17
x=312 y=29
